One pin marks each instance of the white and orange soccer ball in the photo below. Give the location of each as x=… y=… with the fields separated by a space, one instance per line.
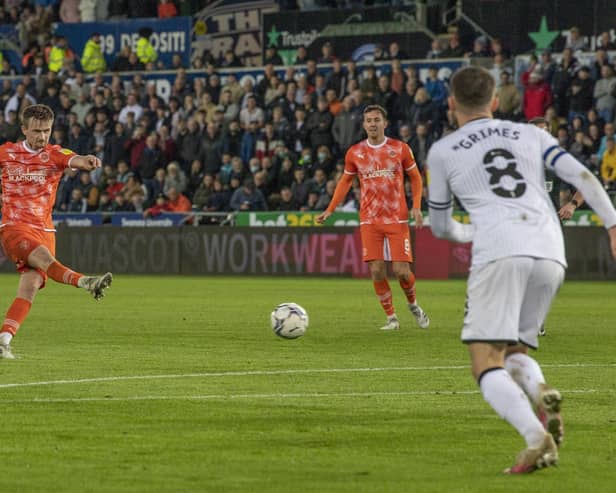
x=289 y=321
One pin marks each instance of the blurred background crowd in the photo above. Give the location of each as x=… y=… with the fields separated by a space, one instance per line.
x=221 y=144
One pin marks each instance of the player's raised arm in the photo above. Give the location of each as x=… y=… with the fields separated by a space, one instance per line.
x=440 y=203
x=342 y=189
x=86 y=163
x=572 y=171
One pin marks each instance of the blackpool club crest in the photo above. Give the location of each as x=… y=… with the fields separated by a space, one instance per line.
x=44 y=156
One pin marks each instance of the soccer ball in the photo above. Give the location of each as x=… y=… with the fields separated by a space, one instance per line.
x=289 y=320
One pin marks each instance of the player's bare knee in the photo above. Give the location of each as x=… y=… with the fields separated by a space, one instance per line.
x=518 y=348
x=41 y=258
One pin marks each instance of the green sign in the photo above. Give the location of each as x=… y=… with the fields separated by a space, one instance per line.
x=303 y=219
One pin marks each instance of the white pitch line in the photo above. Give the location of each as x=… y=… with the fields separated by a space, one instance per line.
x=307 y=395
x=277 y=372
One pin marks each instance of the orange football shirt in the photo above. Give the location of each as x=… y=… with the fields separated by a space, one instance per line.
x=29 y=183
x=381 y=171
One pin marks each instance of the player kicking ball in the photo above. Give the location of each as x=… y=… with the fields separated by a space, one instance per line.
x=380 y=164
x=31 y=170
x=496 y=170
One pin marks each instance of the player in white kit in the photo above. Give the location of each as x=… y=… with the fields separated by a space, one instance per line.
x=496 y=170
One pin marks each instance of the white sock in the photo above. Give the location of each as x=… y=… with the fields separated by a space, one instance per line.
x=5 y=338
x=527 y=374
x=510 y=403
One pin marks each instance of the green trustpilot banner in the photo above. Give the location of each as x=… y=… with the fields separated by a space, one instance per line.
x=293 y=219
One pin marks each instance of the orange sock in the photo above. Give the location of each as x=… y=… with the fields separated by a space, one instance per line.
x=408 y=287
x=383 y=293
x=15 y=316
x=62 y=274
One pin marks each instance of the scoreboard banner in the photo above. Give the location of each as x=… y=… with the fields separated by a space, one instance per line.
x=170 y=36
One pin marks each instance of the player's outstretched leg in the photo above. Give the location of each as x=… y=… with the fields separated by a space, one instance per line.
x=96 y=285
x=16 y=314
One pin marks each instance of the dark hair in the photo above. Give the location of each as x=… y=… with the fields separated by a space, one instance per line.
x=376 y=107
x=40 y=112
x=472 y=87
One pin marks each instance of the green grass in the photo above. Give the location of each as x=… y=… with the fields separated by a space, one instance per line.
x=414 y=423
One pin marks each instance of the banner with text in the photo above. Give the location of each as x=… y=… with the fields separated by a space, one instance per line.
x=170 y=36
x=283 y=252
x=231 y=25
x=353 y=33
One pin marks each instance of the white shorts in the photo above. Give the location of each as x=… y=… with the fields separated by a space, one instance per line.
x=508 y=300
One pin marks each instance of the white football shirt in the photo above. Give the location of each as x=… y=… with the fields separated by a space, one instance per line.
x=496 y=170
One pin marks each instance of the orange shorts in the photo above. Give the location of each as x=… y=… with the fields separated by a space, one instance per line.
x=19 y=242
x=391 y=242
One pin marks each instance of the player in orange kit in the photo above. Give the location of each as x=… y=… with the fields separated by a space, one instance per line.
x=31 y=170
x=380 y=163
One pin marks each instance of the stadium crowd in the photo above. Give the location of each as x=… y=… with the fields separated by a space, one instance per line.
x=218 y=144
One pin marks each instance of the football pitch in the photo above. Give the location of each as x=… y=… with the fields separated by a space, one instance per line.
x=179 y=385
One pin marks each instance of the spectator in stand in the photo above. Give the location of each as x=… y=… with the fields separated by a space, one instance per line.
x=425 y=111
x=252 y=113
x=395 y=53
x=88 y=190
x=175 y=178
x=300 y=186
x=384 y=96
x=20 y=100
x=249 y=142
x=92 y=59
x=57 y=54
x=420 y=144
x=606 y=42
x=145 y=51
x=575 y=41
x=166 y=9
x=369 y=84
x=397 y=77
x=509 y=97
x=537 y=95
x=480 y=48
x=230 y=60
x=248 y=198
x=563 y=75
x=336 y=79
x=287 y=201
x=272 y=57
x=319 y=125
x=210 y=152
x=601 y=60
x=194 y=178
x=454 y=48
x=580 y=93
x=132 y=106
x=204 y=192
x=327 y=53
x=77 y=203
x=346 y=128
x=436 y=49
x=301 y=55
x=605 y=94
x=608 y=164
x=334 y=104
x=437 y=89
x=151 y=158
x=380 y=54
